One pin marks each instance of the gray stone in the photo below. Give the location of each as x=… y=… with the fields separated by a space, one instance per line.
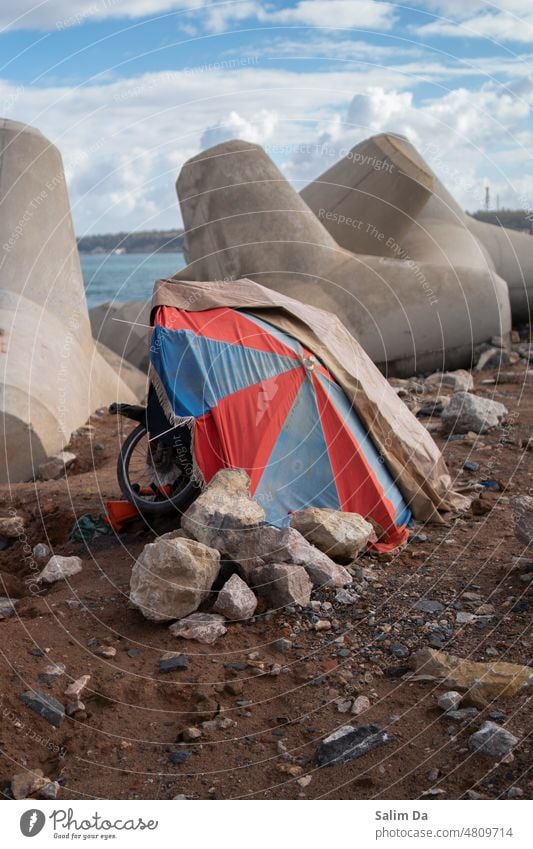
x=172 y=661
x=60 y=568
x=492 y=741
x=7 y=607
x=462 y=715
x=346 y=597
x=523 y=519
x=349 y=742
x=41 y=551
x=289 y=546
x=172 y=577
x=463 y=617
x=467 y=412
x=399 y=650
x=360 y=705
x=50 y=790
x=226 y=518
x=51 y=673
x=54 y=467
x=203 y=627
x=236 y=600
x=450 y=700
x=46 y=706
x=458 y=381
x=339 y=535
x=427 y=605
x=281 y=584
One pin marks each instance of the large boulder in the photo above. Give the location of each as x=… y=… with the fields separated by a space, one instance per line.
x=289 y=546
x=467 y=412
x=172 y=577
x=226 y=517
x=281 y=584
x=339 y=535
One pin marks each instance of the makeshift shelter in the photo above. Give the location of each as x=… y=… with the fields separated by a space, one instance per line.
x=262 y=399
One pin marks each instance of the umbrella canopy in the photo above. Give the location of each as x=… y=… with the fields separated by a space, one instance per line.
x=259 y=400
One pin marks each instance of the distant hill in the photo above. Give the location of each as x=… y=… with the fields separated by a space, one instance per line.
x=142 y=242
x=515 y=219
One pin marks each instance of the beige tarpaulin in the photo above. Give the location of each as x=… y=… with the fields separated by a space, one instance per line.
x=407 y=448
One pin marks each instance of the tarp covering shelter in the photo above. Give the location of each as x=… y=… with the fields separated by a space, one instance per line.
x=259 y=398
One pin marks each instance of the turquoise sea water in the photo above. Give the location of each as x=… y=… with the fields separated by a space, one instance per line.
x=128 y=277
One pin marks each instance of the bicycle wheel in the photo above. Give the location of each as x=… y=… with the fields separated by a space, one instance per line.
x=139 y=480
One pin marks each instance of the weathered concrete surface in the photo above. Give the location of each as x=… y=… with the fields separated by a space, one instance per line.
x=409 y=314
x=52 y=376
x=124 y=329
x=512 y=255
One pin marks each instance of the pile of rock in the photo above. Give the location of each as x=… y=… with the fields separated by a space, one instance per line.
x=226 y=553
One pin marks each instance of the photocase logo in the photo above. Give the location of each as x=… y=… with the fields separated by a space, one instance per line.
x=32 y=822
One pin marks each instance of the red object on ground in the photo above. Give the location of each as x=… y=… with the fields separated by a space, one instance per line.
x=119 y=513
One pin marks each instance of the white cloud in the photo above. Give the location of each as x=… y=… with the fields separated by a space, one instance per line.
x=363 y=14
x=258 y=129
x=506 y=20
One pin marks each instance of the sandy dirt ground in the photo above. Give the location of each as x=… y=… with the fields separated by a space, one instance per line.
x=268 y=704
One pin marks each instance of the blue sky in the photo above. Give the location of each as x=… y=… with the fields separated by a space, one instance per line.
x=129 y=90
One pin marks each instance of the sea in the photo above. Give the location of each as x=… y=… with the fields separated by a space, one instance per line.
x=125 y=277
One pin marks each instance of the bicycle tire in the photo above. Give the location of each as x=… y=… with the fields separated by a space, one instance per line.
x=179 y=501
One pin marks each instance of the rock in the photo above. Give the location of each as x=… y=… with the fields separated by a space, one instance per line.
x=348 y=743
x=46 y=706
x=25 y=784
x=59 y=568
x=7 y=607
x=55 y=466
x=203 y=627
x=515 y=793
x=11 y=527
x=523 y=519
x=190 y=735
x=399 y=650
x=281 y=584
x=283 y=645
x=346 y=597
x=50 y=790
x=322 y=625
x=106 y=651
x=289 y=546
x=172 y=661
x=339 y=535
x=41 y=551
x=458 y=381
x=482 y=680
x=172 y=577
x=492 y=741
x=463 y=617
x=236 y=600
x=462 y=715
x=74 y=707
x=467 y=412
x=225 y=517
x=51 y=673
x=75 y=688
x=360 y=705
x=426 y=605
x=450 y=700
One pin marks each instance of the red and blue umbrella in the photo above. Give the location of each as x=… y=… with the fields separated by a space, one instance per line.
x=259 y=400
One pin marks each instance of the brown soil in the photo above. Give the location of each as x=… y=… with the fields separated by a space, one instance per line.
x=123 y=745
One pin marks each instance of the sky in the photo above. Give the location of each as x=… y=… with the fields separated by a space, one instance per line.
x=128 y=90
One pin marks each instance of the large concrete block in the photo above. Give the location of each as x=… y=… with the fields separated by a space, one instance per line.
x=52 y=376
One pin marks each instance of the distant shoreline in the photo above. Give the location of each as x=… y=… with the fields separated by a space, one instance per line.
x=142 y=242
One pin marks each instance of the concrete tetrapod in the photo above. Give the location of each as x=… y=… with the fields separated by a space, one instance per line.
x=243 y=219
x=125 y=329
x=438 y=233
x=53 y=376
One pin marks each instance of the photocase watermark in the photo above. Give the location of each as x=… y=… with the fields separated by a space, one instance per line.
x=12 y=98
x=331 y=151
